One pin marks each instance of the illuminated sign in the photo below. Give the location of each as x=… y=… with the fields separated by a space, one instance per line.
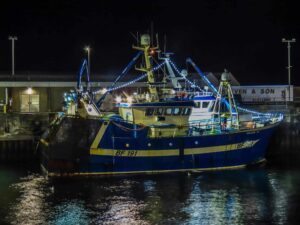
x=271 y=93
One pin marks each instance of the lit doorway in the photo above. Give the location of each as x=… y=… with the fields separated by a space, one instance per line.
x=30 y=103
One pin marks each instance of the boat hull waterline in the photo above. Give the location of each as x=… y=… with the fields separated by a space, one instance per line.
x=101 y=147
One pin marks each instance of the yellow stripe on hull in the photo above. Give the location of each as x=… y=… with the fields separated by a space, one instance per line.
x=99 y=136
x=44 y=142
x=172 y=152
x=220 y=148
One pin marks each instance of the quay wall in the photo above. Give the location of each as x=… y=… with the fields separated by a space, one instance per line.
x=19 y=135
x=284 y=146
x=19 y=149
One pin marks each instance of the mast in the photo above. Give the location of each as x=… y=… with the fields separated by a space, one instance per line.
x=225 y=105
x=148 y=54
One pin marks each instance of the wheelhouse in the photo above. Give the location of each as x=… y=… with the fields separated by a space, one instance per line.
x=204 y=103
x=203 y=110
x=163 y=118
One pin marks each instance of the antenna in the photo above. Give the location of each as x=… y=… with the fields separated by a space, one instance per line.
x=165 y=43
x=151 y=30
x=165 y=50
x=135 y=37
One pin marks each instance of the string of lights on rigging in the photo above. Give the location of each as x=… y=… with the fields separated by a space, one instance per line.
x=215 y=90
x=142 y=76
x=187 y=80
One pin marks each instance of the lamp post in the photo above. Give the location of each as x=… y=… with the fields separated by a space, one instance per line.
x=13 y=39
x=289 y=61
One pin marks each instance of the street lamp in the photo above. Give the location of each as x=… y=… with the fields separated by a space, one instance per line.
x=88 y=50
x=289 y=61
x=13 y=39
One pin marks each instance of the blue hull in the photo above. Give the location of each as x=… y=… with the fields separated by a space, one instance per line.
x=210 y=152
x=113 y=151
x=105 y=148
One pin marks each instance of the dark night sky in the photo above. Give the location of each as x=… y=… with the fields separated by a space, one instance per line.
x=242 y=36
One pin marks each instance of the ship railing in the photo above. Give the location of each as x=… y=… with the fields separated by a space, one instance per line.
x=217 y=124
x=185 y=95
x=206 y=126
x=270 y=118
x=202 y=93
x=212 y=126
x=262 y=121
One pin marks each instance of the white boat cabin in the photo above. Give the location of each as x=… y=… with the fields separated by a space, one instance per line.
x=203 y=110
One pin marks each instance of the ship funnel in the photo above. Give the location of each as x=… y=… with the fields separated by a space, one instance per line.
x=145 y=39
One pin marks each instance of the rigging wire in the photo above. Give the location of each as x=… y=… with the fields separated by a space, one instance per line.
x=186 y=79
x=142 y=76
x=215 y=90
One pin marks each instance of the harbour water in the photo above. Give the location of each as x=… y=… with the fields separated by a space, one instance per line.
x=260 y=195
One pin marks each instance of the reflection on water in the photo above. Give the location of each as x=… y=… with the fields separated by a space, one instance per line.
x=69 y=212
x=256 y=196
x=31 y=207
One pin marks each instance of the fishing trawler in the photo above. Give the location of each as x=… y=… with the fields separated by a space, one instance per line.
x=153 y=132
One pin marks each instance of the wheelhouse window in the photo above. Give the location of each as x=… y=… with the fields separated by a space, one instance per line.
x=177 y=111
x=186 y=111
x=159 y=111
x=197 y=104
x=212 y=105
x=205 y=105
x=168 y=111
x=149 y=112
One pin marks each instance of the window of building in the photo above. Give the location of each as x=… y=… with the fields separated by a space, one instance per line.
x=30 y=103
